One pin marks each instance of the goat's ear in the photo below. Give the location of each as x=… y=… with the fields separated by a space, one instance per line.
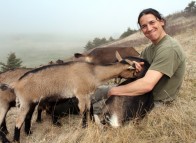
x=3 y=87
x=119 y=58
x=77 y=55
x=130 y=62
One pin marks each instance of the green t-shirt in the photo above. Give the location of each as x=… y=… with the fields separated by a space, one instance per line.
x=168 y=58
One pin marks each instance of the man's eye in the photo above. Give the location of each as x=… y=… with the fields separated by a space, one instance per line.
x=152 y=22
x=143 y=26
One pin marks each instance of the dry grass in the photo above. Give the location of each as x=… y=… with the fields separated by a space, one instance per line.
x=173 y=124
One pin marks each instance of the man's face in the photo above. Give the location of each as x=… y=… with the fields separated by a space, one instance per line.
x=152 y=27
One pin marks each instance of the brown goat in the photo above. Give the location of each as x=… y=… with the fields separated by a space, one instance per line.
x=105 y=55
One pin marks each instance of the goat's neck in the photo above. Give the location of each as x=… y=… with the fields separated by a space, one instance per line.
x=104 y=73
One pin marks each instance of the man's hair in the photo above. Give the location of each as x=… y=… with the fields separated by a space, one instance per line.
x=153 y=12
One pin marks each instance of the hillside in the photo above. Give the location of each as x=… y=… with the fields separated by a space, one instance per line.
x=173 y=124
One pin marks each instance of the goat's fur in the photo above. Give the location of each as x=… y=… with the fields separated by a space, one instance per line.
x=105 y=55
x=66 y=80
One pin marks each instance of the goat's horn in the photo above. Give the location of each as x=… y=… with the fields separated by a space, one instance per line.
x=131 y=63
x=131 y=68
x=128 y=61
x=119 y=58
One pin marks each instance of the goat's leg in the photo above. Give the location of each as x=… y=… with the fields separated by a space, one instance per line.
x=3 y=112
x=85 y=118
x=24 y=109
x=39 y=114
x=28 y=119
x=83 y=110
x=92 y=113
x=55 y=117
x=3 y=138
x=4 y=127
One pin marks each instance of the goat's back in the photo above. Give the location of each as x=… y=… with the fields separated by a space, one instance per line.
x=105 y=55
x=55 y=80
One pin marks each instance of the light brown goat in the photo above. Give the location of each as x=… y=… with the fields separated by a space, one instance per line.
x=67 y=80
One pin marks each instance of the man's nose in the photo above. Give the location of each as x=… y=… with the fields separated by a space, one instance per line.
x=149 y=27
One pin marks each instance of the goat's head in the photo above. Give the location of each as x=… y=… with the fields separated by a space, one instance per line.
x=130 y=71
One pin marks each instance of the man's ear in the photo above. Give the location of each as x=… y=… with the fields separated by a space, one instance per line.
x=162 y=22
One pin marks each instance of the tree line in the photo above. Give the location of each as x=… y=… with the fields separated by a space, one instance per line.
x=100 y=41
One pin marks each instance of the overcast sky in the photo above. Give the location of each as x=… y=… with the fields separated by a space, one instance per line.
x=100 y=18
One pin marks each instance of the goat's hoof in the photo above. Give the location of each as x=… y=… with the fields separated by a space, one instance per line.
x=84 y=126
x=39 y=121
x=14 y=141
x=58 y=124
x=28 y=132
x=6 y=141
x=5 y=131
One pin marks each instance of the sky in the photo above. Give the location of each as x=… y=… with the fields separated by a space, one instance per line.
x=85 y=19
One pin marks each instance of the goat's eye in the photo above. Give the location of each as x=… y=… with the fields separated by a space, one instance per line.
x=107 y=116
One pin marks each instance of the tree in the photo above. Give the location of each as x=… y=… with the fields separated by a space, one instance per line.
x=89 y=46
x=191 y=8
x=96 y=42
x=111 y=39
x=127 y=33
x=12 y=62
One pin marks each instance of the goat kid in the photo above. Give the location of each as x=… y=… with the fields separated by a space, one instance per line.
x=67 y=80
x=57 y=109
x=119 y=109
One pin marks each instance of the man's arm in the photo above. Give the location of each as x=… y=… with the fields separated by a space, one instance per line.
x=138 y=87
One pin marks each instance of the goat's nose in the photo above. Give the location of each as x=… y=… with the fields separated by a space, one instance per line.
x=103 y=122
x=131 y=68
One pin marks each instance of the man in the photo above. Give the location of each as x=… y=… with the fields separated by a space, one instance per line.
x=167 y=59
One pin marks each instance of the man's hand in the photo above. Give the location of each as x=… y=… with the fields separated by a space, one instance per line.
x=138 y=66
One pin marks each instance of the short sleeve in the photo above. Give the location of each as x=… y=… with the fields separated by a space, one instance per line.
x=166 y=62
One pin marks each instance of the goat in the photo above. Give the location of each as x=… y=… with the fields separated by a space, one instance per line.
x=7 y=97
x=105 y=55
x=60 y=81
x=58 y=109
x=119 y=109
